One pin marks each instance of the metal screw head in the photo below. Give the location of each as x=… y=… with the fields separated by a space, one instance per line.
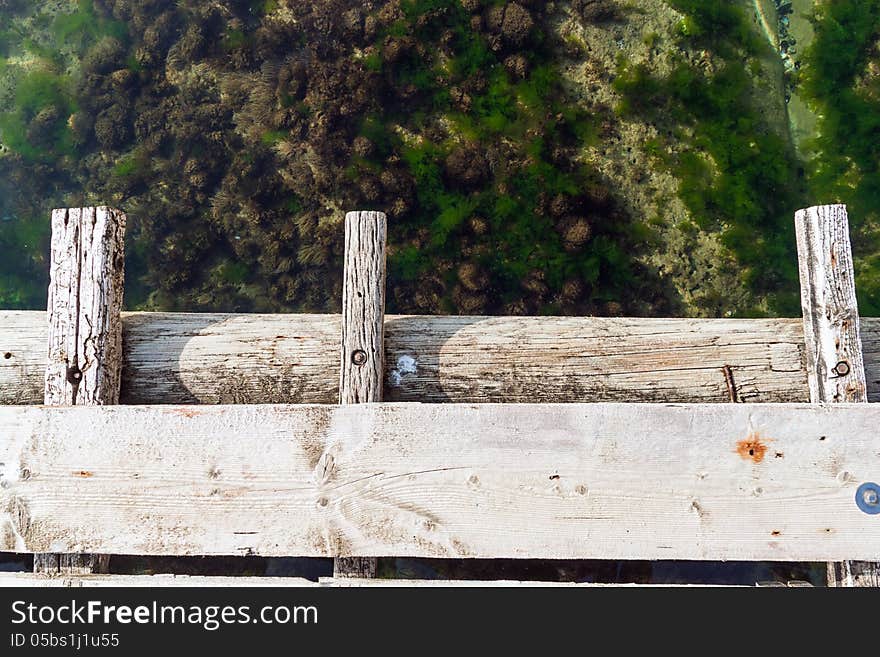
x=868 y=498
x=842 y=368
x=74 y=375
x=359 y=357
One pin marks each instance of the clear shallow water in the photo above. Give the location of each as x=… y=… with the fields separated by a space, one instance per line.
x=585 y=157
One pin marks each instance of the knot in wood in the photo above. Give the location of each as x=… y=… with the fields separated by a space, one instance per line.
x=359 y=357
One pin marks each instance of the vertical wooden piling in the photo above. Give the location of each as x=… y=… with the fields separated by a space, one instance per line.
x=363 y=322
x=835 y=367
x=85 y=330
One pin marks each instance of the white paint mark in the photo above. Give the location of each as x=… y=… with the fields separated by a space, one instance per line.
x=9 y=473
x=405 y=365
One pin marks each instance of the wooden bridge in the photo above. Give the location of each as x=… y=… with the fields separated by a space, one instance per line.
x=359 y=436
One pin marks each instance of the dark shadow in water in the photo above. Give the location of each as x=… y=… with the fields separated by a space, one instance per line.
x=10 y=562
x=598 y=571
x=637 y=572
x=306 y=568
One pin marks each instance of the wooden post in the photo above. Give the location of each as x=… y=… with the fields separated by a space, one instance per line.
x=835 y=367
x=363 y=322
x=85 y=330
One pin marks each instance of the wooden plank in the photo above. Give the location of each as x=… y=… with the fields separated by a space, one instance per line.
x=85 y=301
x=249 y=359
x=27 y=580
x=363 y=308
x=835 y=367
x=363 y=338
x=71 y=564
x=349 y=582
x=85 y=330
x=699 y=482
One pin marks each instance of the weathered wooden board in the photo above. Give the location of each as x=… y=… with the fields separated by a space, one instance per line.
x=84 y=364
x=85 y=300
x=610 y=481
x=27 y=580
x=835 y=367
x=361 y=367
x=362 y=361
x=250 y=359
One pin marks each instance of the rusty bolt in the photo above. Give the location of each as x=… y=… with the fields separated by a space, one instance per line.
x=74 y=375
x=359 y=357
x=842 y=368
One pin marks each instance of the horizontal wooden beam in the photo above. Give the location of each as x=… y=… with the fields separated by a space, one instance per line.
x=29 y=580
x=569 y=481
x=249 y=359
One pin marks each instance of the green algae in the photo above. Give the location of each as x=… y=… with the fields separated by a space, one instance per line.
x=737 y=177
x=233 y=138
x=36 y=127
x=840 y=84
x=533 y=115
x=86 y=25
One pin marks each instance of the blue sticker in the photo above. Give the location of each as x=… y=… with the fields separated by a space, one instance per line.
x=868 y=498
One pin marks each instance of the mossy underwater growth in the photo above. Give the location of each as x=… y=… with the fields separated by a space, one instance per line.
x=843 y=83
x=735 y=174
x=37 y=127
x=502 y=217
x=237 y=133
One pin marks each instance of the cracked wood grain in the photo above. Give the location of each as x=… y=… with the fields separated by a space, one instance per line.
x=556 y=481
x=85 y=329
x=835 y=367
x=363 y=343
x=85 y=300
x=181 y=358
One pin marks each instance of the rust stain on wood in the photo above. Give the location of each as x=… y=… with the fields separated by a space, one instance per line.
x=83 y=473
x=186 y=412
x=752 y=447
x=731 y=384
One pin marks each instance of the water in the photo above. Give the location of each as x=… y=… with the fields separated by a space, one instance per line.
x=584 y=157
